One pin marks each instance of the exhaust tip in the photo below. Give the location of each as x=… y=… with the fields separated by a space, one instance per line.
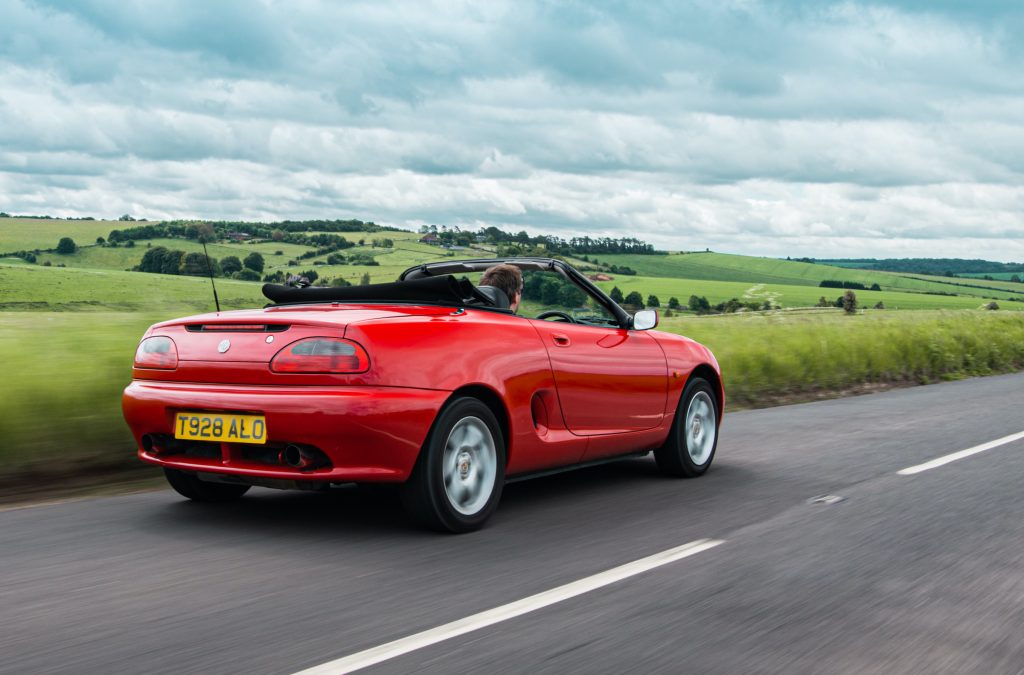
x=293 y=456
x=148 y=444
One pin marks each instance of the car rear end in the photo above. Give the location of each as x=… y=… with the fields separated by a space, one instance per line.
x=276 y=397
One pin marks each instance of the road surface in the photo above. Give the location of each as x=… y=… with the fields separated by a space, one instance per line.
x=891 y=573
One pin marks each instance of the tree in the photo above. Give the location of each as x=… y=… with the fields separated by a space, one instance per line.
x=339 y=282
x=616 y=295
x=850 y=302
x=823 y=302
x=254 y=261
x=652 y=301
x=195 y=264
x=126 y=218
x=1016 y=278
x=700 y=304
x=247 y=275
x=230 y=265
x=153 y=260
x=171 y=263
x=277 y=235
x=275 y=278
x=205 y=233
x=635 y=299
x=875 y=287
x=66 y=246
x=365 y=279
x=879 y=305
x=100 y=241
x=570 y=296
x=992 y=305
x=673 y=302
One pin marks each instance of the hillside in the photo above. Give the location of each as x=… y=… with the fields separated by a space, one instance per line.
x=104 y=281
x=738 y=268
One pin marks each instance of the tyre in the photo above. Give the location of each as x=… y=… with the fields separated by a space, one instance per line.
x=188 y=485
x=458 y=478
x=690 y=446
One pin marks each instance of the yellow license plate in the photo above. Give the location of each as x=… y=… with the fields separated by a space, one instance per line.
x=198 y=426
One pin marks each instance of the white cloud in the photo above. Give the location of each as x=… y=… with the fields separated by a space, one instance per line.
x=844 y=129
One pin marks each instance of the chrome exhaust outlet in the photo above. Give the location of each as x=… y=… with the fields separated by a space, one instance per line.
x=295 y=457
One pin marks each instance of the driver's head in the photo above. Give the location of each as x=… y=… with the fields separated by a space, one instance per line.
x=509 y=279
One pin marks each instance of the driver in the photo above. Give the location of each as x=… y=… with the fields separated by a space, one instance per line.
x=506 y=278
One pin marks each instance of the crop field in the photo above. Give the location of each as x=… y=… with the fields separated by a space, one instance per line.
x=27 y=234
x=785 y=295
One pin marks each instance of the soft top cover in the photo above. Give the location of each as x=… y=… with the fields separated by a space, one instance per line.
x=444 y=289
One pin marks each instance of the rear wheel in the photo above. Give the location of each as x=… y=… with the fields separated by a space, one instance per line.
x=692 y=442
x=189 y=485
x=459 y=475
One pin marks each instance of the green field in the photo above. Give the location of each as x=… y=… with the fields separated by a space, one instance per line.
x=786 y=295
x=738 y=268
x=28 y=234
x=30 y=287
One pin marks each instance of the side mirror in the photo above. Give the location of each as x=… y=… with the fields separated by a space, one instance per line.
x=645 y=319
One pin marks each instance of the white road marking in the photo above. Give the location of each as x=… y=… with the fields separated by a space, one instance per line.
x=490 y=617
x=946 y=459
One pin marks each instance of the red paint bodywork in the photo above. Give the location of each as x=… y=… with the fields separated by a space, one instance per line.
x=564 y=393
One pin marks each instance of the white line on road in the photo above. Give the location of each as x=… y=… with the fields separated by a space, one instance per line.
x=946 y=459
x=490 y=617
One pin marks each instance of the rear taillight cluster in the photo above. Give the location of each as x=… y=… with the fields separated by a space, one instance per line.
x=321 y=355
x=157 y=352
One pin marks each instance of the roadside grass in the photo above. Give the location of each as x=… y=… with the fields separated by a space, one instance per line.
x=793 y=356
x=62 y=411
x=787 y=295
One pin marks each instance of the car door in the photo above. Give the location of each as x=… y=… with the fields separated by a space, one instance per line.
x=609 y=380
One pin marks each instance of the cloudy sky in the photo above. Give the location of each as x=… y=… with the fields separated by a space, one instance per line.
x=771 y=128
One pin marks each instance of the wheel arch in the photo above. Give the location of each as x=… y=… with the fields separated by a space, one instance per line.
x=492 y=400
x=714 y=379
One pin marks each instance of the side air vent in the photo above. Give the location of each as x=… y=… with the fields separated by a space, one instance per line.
x=236 y=327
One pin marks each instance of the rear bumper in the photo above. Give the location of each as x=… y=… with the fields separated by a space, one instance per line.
x=369 y=434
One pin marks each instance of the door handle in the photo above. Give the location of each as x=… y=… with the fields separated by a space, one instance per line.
x=561 y=339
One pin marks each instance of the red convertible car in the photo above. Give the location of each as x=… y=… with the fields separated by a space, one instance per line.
x=429 y=381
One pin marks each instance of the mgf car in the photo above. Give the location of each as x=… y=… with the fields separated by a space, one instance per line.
x=430 y=382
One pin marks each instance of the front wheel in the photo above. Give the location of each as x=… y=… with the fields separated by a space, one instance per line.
x=188 y=485
x=458 y=477
x=692 y=442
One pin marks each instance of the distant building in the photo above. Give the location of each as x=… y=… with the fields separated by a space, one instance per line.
x=430 y=238
x=239 y=236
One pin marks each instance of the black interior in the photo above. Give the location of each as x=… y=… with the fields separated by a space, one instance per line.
x=495 y=296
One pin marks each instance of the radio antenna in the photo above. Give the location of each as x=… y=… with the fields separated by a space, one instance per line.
x=209 y=268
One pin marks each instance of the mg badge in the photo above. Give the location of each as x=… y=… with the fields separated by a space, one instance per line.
x=224 y=346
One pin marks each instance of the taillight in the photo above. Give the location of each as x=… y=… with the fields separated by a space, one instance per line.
x=321 y=355
x=157 y=352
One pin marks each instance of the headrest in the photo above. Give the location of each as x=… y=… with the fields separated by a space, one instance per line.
x=495 y=295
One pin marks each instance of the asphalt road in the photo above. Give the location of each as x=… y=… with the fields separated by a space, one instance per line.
x=921 y=573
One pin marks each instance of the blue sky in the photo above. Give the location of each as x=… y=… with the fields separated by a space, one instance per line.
x=786 y=128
